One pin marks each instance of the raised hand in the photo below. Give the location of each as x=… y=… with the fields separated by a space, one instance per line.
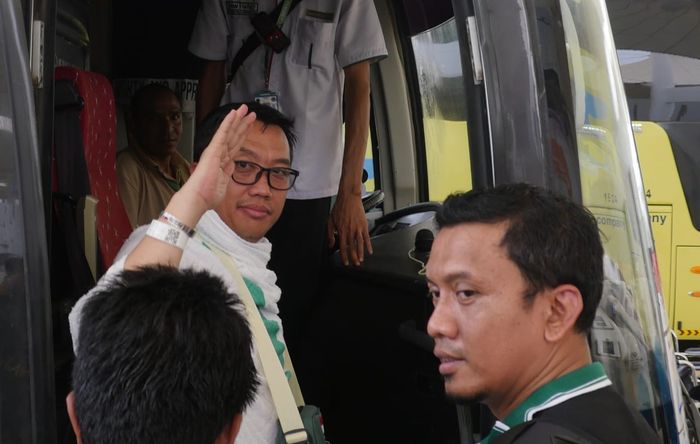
x=203 y=191
x=211 y=176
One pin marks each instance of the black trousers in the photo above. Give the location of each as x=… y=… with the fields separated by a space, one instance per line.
x=298 y=254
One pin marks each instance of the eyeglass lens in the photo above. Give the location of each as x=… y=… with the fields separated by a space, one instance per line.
x=248 y=173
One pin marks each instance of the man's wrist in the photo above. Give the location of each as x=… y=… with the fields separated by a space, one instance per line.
x=167 y=233
x=357 y=194
x=354 y=189
x=177 y=223
x=186 y=207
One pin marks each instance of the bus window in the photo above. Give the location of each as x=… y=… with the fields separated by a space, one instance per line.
x=373 y=181
x=684 y=143
x=629 y=324
x=443 y=103
x=370 y=183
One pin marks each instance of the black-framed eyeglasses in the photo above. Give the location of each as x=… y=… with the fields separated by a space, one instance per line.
x=246 y=172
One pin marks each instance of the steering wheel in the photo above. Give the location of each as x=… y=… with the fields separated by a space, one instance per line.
x=372 y=200
x=387 y=222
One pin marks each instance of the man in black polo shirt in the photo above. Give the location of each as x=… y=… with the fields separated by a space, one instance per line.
x=516 y=274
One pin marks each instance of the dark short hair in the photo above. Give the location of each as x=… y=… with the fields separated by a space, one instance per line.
x=146 y=94
x=163 y=356
x=552 y=240
x=264 y=114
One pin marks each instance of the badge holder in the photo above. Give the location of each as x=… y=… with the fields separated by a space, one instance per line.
x=269 y=98
x=268 y=30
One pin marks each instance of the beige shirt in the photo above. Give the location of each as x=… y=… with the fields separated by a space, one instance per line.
x=144 y=187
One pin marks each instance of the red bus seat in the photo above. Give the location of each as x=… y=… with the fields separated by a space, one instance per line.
x=98 y=127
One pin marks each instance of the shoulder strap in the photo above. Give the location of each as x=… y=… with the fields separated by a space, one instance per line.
x=287 y=411
x=293 y=381
x=252 y=42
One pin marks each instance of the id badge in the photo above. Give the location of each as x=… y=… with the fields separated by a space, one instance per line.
x=268 y=98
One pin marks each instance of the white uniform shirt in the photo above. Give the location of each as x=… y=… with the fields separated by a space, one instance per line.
x=326 y=36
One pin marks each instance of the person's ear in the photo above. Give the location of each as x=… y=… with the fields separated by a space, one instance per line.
x=70 y=406
x=565 y=306
x=228 y=435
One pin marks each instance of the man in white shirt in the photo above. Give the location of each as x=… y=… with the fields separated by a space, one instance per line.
x=325 y=67
x=235 y=194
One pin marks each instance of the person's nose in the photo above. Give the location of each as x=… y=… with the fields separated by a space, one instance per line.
x=173 y=128
x=262 y=186
x=441 y=322
x=163 y=127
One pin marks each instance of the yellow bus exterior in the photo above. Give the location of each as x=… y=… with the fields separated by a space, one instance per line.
x=676 y=239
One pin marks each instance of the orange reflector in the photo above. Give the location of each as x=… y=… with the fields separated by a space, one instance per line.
x=695 y=294
x=695 y=269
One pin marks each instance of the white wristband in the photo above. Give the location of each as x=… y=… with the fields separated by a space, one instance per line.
x=168 y=234
x=175 y=222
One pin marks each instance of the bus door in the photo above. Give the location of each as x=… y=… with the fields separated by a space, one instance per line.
x=542 y=103
x=27 y=402
x=579 y=141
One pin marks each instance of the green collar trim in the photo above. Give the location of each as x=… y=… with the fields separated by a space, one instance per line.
x=576 y=383
x=583 y=380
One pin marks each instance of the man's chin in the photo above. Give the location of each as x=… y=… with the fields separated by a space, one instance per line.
x=462 y=396
x=459 y=398
x=167 y=148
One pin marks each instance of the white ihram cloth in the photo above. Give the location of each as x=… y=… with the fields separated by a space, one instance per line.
x=260 y=419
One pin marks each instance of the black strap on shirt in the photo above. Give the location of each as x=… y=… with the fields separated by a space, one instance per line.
x=252 y=42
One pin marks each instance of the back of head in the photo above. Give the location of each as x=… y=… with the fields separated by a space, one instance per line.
x=264 y=114
x=551 y=239
x=164 y=356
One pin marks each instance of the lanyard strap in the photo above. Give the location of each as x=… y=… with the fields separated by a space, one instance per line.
x=284 y=12
x=268 y=67
x=286 y=6
x=252 y=42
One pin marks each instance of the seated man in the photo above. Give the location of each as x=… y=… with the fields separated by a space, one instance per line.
x=179 y=369
x=235 y=194
x=516 y=274
x=151 y=170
